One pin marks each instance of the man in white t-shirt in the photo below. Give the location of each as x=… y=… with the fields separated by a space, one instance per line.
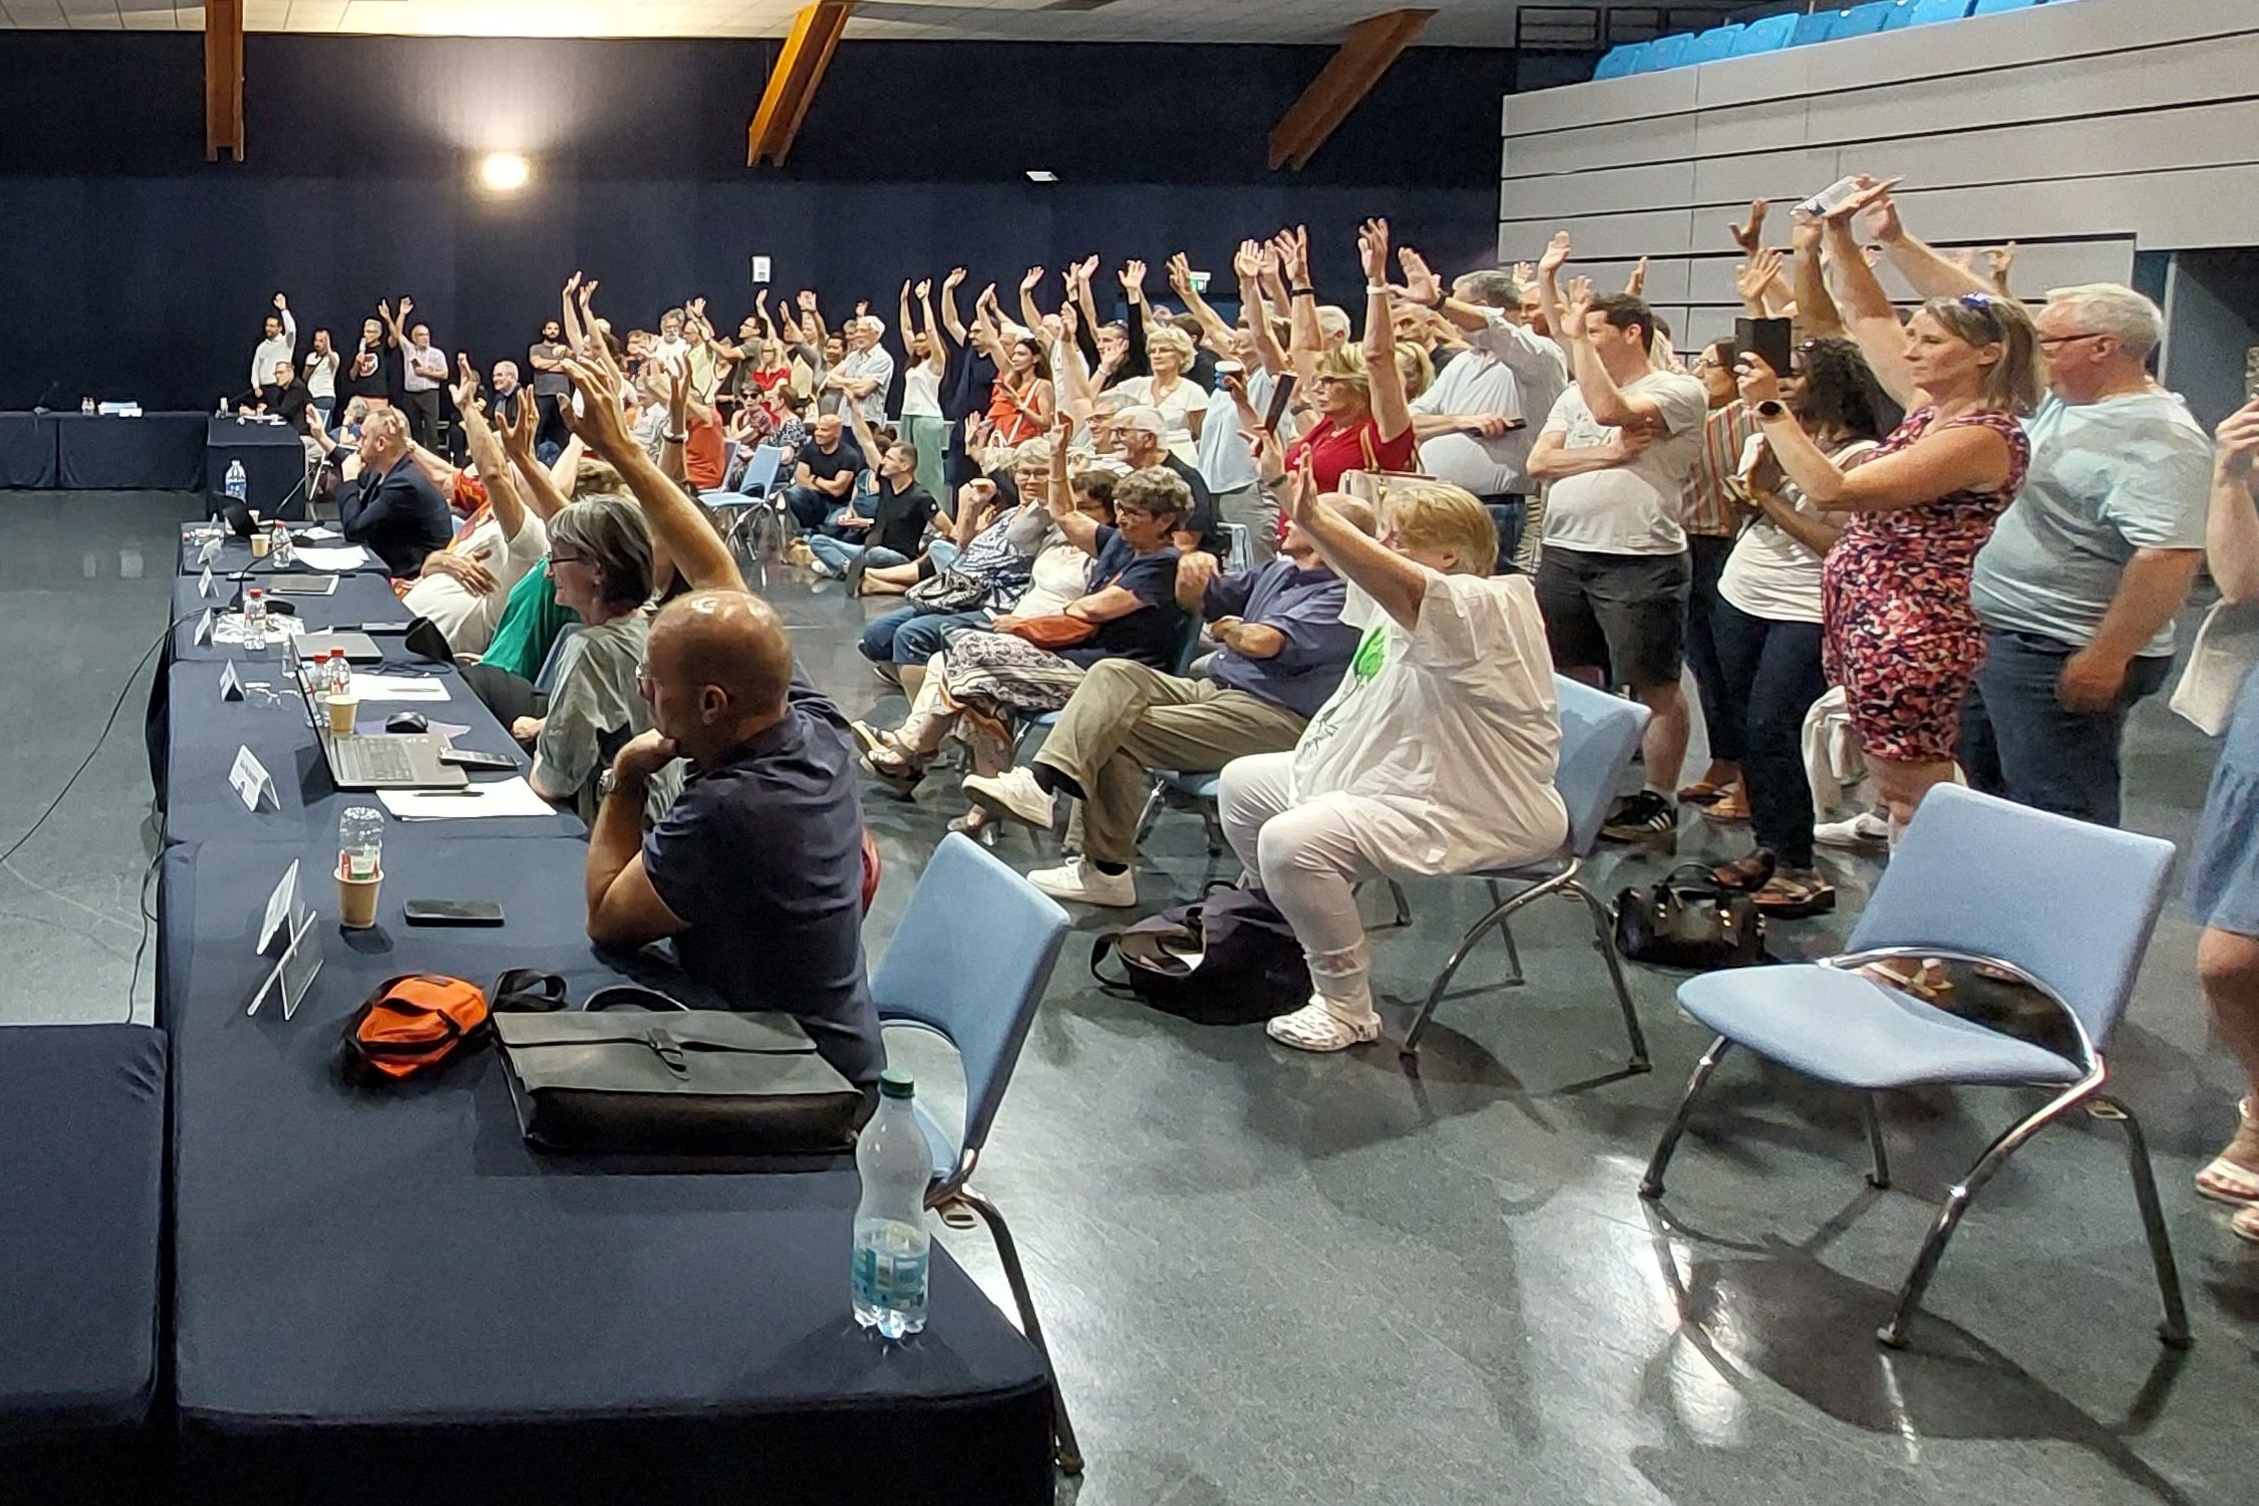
x=1614 y=577
x=278 y=342
x=464 y=587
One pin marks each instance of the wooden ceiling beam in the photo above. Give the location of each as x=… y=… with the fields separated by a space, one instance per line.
x=793 y=82
x=223 y=78
x=1368 y=52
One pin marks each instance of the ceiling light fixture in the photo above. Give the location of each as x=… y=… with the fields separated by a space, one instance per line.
x=504 y=172
x=1042 y=175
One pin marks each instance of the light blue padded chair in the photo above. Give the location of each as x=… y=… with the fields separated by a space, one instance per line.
x=1901 y=16
x=1714 y=45
x=1770 y=34
x=2064 y=906
x=970 y=962
x=1816 y=26
x=1667 y=52
x=1862 y=20
x=1599 y=734
x=1622 y=61
x=1930 y=12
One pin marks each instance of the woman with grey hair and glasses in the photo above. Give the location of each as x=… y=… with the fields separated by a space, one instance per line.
x=1901 y=636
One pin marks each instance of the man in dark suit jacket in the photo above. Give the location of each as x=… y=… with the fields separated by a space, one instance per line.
x=284 y=396
x=384 y=502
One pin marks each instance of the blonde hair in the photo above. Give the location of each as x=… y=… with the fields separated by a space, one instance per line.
x=1169 y=338
x=1418 y=370
x=1438 y=515
x=2013 y=383
x=1346 y=363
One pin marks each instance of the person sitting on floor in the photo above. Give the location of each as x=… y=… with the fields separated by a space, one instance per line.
x=385 y=503
x=1281 y=649
x=1436 y=755
x=755 y=870
x=999 y=534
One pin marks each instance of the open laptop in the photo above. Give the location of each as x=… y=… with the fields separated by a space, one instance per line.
x=359 y=648
x=391 y=761
x=302 y=585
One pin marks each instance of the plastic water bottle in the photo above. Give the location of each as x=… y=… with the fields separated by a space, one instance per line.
x=337 y=675
x=360 y=842
x=892 y=1243
x=86 y=405
x=254 y=614
x=238 y=484
x=278 y=539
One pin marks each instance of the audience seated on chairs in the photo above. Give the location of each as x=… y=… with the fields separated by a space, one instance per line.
x=981 y=681
x=1281 y=649
x=464 y=588
x=755 y=870
x=997 y=536
x=1436 y=755
x=886 y=525
x=1357 y=394
x=384 y=501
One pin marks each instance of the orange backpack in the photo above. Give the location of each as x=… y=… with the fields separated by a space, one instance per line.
x=414 y=1021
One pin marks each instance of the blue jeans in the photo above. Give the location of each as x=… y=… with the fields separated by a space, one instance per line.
x=1771 y=675
x=1721 y=720
x=942 y=553
x=809 y=506
x=2018 y=742
x=836 y=553
x=909 y=636
x=1509 y=514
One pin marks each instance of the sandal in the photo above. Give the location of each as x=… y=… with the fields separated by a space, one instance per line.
x=1746 y=873
x=1318 y=1026
x=1793 y=896
x=1732 y=805
x=894 y=768
x=2233 y=1175
x=973 y=822
x=1701 y=792
x=1925 y=980
x=2245 y=1225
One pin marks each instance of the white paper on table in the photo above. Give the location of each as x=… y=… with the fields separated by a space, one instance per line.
x=251 y=780
x=398 y=688
x=503 y=797
x=318 y=532
x=349 y=557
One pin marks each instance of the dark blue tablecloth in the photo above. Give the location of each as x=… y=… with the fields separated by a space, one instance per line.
x=235 y=555
x=81 y=1188
x=27 y=451
x=274 y=465
x=358 y=599
x=161 y=452
x=384 y=1295
x=196 y=735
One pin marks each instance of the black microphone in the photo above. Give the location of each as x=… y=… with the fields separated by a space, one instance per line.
x=41 y=405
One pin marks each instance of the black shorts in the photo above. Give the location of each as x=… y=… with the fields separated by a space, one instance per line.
x=1622 y=613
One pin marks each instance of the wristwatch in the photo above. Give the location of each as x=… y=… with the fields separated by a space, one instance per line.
x=1769 y=408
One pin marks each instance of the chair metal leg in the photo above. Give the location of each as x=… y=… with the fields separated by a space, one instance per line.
x=1217 y=845
x=1497 y=913
x=1063 y=1429
x=2174 y=1329
x=1404 y=908
x=1514 y=977
x=1152 y=813
x=1879 y=1178
x=1651 y=1185
x=1957 y=1201
x=1604 y=937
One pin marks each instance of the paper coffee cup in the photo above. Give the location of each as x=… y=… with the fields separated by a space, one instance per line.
x=260 y=544
x=342 y=710
x=357 y=900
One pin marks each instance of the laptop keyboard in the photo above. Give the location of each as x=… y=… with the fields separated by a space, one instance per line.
x=371 y=760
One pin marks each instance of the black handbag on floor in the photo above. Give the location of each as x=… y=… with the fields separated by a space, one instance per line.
x=1689 y=921
x=637 y=1073
x=1229 y=959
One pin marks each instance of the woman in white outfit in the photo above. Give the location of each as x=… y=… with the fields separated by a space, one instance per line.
x=1435 y=756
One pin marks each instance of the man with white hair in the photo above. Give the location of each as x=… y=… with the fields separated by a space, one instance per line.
x=866 y=371
x=2079 y=584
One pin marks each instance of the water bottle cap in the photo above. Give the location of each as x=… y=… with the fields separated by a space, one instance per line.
x=895 y=1083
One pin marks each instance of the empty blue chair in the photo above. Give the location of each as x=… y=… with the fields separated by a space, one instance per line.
x=1667 y=52
x=1768 y=35
x=1862 y=20
x=1816 y=26
x=970 y=962
x=2064 y=906
x=1599 y=734
x=1930 y=12
x=1617 y=62
x=1714 y=45
x=1901 y=15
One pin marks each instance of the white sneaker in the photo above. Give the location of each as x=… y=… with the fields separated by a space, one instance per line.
x=1013 y=793
x=1079 y=880
x=1863 y=830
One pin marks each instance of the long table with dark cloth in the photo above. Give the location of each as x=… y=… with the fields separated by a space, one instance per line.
x=235 y=555
x=358 y=599
x=81 y=1215
x=161 y=452
x=385 y=1295
x=273 y=458
x=27 y=451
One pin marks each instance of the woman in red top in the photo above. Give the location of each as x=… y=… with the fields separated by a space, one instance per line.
x=1020 y=402
x=1364 y=422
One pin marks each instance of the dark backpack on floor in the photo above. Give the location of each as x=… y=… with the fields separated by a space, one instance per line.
x=1228 y=959
x=1689 y=921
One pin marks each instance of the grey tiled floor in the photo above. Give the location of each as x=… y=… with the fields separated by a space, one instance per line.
x=1271 y=1278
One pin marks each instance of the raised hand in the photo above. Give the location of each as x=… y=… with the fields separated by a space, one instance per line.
x=1421 y=285
x=572 y=284
x=1087 y=268
x=1804 y=231
x=1294 y=249
x=807 y=301
x=697 y=309
x=519 y=431
x=1133 y=278
x=1752 y=277
x=1524 y=273
x=1577 y=302
x=1872 y=200
x=280 y=303
x=1032 y=280
x=598 y=418
x=1636 y=284
x=923 y=289
x=465 y=390
x=1751 y=235
x=1758 y=382
x=1247 y=261
x=1372 y=250
x=956 y=276
x=2238 y=436
x=1555 y=255
x=1180 y=274
x=1997 y=261
x=407 y=305
x=863 y=309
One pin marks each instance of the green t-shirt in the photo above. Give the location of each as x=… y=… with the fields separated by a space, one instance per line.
x=531 y=621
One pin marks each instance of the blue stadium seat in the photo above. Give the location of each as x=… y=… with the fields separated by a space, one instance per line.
x=1813 y=27
x=1928 y=12
x=1995 y=7
x=1714 y=45
x=1861 y=20
x=1630 y=57
x=1667 y=52
x=1769 y=35
x=1901 y=14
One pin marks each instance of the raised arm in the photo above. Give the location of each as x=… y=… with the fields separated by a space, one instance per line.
x=392 y=321
x=949 y=317
x=1816 y=316
x=1031 y=315
x=1080 y=531
x=677 y=526
x=1927 y=271
x=1395 y=583
x=2231 y=528
x=1549 y=265
x=1211 y=323
x=1966 y=457
x=1392 y=414
x=1247 y=265
x=518 y=436
x=1866 y=308
x=1306 y=342
x=494 y=469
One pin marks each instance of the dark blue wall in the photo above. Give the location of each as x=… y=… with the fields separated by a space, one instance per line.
x=133 y=268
